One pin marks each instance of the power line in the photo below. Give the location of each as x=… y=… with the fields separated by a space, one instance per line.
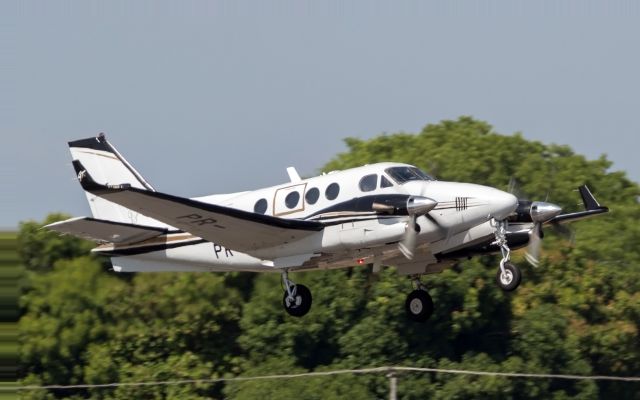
x=387 y=370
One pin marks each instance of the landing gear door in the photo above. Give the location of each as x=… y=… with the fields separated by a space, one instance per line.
x=288 y=200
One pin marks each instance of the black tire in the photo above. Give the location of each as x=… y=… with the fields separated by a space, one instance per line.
x=512 y=277
x=419 y=305
x=301 y=304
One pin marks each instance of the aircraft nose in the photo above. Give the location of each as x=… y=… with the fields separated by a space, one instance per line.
x=502 y=204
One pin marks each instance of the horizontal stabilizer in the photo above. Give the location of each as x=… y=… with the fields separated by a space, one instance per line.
x=591 y=208
x=100 y=230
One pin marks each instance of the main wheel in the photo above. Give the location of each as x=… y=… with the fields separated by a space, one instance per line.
x=301 y=302
x=419 y=305
x=511 y=278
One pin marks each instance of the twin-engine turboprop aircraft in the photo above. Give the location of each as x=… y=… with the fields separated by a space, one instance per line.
x=380 y=214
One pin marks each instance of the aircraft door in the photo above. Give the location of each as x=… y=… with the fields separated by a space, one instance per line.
x=288 y=200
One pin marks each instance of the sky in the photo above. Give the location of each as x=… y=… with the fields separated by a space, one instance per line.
x=210 y=96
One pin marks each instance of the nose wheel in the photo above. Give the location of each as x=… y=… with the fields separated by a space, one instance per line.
x=419 y=305
x=508 y=276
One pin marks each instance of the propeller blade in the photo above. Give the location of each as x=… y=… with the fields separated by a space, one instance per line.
x=377 y=267
x=532 y=254
x=514 y=188
x=512 y=185
x=564 y=231
x=416 y=206
x=435 y=221
x=408 y=244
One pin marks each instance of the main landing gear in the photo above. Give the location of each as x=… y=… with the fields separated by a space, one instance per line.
x=419 y=305
x=508 y=276
x=297 y=297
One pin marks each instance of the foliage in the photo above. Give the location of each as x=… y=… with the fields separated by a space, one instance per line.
x=577 y=313
x=39 y=248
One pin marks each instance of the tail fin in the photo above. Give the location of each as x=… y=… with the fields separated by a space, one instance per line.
x=590 y=202
x=107 y=166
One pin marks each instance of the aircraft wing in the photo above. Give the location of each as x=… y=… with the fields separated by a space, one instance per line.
x=235 y=229
x=100 y=230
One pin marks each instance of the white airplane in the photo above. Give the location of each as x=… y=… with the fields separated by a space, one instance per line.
x=374 y=215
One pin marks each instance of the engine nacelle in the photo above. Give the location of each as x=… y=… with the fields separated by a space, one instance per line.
x=355 y=237
x=404 y=205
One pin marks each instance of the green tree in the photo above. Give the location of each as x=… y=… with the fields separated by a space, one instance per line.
x=168 y=326
x=40 y=248
x=65 y=314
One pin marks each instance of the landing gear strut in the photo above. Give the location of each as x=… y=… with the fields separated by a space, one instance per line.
x=297 y=297
x=419 y=305
x=508 y=276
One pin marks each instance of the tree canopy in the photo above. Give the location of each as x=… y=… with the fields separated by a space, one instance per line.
x=577 y=313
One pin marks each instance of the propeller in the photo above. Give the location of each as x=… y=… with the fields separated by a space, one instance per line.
x=540 y=212
x=414 y=207
x=537 y=212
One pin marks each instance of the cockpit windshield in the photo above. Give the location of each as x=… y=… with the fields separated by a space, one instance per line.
x=406 y=174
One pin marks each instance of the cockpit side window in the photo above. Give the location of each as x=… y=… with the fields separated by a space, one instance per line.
x=406 y=174
x=384 y=182
x=369 y=183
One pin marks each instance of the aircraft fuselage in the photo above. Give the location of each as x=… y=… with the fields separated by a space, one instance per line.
x=354 y=233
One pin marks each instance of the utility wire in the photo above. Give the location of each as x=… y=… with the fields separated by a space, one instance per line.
x=386 y=370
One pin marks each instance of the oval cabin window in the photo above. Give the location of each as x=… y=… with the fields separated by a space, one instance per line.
x=292 y=199
x=312 y=195
x=260 y=207
x=332 y=191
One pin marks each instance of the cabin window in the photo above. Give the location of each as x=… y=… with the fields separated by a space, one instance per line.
x=312 y=195
x=384 y=182
x=369 y=183
x=292 y=199
x=260 y=207
x=332 y=191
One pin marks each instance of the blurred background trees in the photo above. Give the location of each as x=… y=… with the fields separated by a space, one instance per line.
x=577 y=313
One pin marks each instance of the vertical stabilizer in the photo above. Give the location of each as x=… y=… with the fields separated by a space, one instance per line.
x=107 y=166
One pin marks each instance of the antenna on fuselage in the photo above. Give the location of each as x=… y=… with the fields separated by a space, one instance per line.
x=293 y=175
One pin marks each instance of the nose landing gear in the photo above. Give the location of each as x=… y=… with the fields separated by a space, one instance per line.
x=508 y=276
